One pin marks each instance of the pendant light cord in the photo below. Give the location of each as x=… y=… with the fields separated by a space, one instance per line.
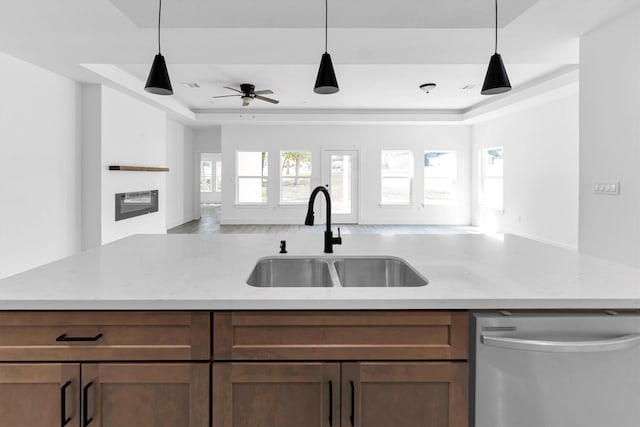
x=496 y=50
x=159 y=15
x=326 y=23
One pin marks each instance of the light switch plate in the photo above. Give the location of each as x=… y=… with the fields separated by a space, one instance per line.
x=611 y=188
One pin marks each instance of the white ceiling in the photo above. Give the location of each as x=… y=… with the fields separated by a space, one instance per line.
x=310 y=14
x=382 y=50
x=361 y=86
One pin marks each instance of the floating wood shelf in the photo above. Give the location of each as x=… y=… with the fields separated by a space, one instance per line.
x=137 y=169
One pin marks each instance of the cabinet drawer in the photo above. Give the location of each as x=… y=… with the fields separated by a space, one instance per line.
x=340 y=335
x=88 y=336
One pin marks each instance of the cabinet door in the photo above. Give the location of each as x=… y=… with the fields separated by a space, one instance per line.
x=43 y=395
x=412 y=394
x=145 y=395
x=276 y=394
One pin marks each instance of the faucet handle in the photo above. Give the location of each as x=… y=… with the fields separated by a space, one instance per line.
x=337 y=240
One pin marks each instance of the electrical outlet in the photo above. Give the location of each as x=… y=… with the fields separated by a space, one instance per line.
x=609 y=188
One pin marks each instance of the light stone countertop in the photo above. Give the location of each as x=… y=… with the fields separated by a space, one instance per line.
x=209 y=272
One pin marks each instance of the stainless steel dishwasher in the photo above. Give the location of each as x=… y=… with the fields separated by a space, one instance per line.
x=555 y=370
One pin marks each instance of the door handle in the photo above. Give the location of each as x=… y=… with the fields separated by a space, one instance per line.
x=85 y=405
x=593 y=346
x=330 y=404
x=63 y=405
x=65 y=338
x=353 y=404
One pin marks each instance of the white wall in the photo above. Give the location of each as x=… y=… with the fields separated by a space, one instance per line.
x=39 y=166
x=207 y=140
x=214 y=196
x=540 y=171
x=133 y=133
x=120 y=130
x=370 y=140
x=179 y=184
x=610 y=139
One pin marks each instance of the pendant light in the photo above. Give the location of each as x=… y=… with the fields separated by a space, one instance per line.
x=326 y=82
x=496 y=81
x=158 y=81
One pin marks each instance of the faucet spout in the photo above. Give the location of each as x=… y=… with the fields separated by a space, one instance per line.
x=329 y=240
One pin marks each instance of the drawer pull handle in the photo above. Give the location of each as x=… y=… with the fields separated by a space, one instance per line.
x=330 y=404
x=65 y=338
x=353 y=404
x=85 y=405
x=63 y=405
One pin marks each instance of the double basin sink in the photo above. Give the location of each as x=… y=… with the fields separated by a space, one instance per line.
x=324 y=272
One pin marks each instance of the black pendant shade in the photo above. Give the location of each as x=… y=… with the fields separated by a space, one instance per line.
x=158 y=81
x=326 y=82
x=496 y=81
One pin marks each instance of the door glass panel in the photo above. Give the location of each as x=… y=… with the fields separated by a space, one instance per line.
x=341 y=183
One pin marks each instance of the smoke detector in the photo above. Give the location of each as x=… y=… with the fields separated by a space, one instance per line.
x=427 y=87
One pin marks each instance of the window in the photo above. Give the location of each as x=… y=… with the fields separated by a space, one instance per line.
x=491 y=182
x=251 y=173
x=440 y=172
x=295 y=176
x=397 y=174
x=205 y=176
x=218 y=176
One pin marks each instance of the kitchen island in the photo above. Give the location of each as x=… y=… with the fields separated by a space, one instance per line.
x=159 y=331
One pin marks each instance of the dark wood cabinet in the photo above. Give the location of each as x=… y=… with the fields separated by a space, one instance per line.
x=114 y=369
x=404 y=394
x=146 y=395
x=363 y=394
x=372 y=378
x=43 y=395
x=276 y=394
x=340 y=335
x=270 y=369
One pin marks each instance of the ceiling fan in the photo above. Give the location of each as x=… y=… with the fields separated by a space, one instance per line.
x=247 y=92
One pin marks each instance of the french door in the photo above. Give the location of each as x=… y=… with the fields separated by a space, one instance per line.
x=340 y=176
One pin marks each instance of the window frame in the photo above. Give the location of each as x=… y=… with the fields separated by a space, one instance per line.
x=203 y=175
x=262 y=176
x=218 y=181
x=454 y=179
x=410 y=176
x=281 y=177
x=483 y=176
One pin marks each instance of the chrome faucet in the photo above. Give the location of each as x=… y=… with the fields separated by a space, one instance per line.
x=329 y=240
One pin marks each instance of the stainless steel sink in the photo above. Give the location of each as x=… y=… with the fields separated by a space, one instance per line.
x=275 y=272
x=282 y=272
x=377 y=272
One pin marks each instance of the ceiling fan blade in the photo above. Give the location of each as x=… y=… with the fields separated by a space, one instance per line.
x=262 y=98
x=224 y=96
x=232 y=88
x=263 y=92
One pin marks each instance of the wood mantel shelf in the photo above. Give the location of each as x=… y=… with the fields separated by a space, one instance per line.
x=138 y=169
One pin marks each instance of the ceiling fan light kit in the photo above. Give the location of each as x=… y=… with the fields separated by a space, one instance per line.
x=326 y=82
x=158 y=81
x=427 y=87
x=496 y=81
x=248 y=93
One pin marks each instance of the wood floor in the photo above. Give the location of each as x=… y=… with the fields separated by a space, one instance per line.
x=209 y=223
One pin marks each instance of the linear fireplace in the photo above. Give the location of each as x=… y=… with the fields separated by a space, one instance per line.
x=129 y=205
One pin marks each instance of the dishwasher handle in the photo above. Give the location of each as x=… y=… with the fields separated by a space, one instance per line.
x=609 y=344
